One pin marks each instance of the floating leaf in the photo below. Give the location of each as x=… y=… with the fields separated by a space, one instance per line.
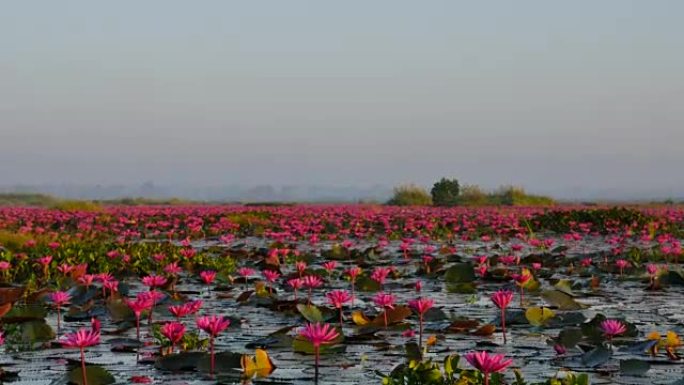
x=597 y=356
x=565 y=286
x=225 y=362
x=413 y=351
x=179 y=362
x=302 y=345
x=359 y=318
x=569 y=337
x=23 y=313
x=310 y=312
x=36 y=331
x=95 y=375
x=460 y=273
x=485 y=330
x=539 y=316
x=463 y=326
x=561 y=300
x=259 y=365
x=364 y=283
x=394 y=316
x=634 y=367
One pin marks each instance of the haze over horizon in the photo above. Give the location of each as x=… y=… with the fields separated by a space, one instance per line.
x=576 y=100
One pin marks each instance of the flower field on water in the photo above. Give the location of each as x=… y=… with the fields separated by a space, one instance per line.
x=342 y=295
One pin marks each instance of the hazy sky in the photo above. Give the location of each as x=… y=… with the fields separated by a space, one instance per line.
x=559 y=96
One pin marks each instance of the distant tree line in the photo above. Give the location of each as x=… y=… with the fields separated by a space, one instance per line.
x=448 y=192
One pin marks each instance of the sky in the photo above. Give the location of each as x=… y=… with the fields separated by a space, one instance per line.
x=567 y=98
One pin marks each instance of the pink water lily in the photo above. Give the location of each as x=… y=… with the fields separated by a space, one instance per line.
x=338 y=298
x=82 y=339
x=212 y=325
x=488 y=363
x=318 y=334
x=421 y=306
x=502 y=299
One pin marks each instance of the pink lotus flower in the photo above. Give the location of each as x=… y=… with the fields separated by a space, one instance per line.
x=353 y=273
x=330 y=266
x=502 y=299
x=301 y=267
x=295 y=284
x=4 y=265
x=208 y=276
x=385 y=301
x=212 y=325
x=621 y=264
x=337 y=298
x=488 y=363
x=421 y=306
x=154 y=281
x=271 y=276
x=138 y=306
x=46 y=260
x=82 y=339
x=318 y=334
x=174 y=332
x=311 y=282
x=612 y=328
x=86 y=280
x=380 y=274
x=59 y=298
x=173 y=268
x=245 y=273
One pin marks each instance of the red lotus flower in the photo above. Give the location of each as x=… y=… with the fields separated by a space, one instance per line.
x=380 y=274
x=174 y=331
x=59 y=298
x=208 y=276
x=212 y=325
x=140 y=304
x=81 y=339
x=330 y=266
x=154 y=281
x=337 y=298
x=502 y=299
x=318 y=334
x=612 y=328
x=295 y=284
x=488 y=363
x=421 y=306
x=385 y=301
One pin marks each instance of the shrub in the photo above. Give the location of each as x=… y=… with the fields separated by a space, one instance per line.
x=410 y=195
x=445 y=192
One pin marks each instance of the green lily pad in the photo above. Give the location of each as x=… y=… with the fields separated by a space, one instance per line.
x=460 y=273
x=597 y=356
x=561 y=300
x=96 y=375
x=634 y=367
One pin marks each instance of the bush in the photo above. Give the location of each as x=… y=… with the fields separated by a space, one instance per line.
x=445 y=192
x=472 y=195
x=410 y=195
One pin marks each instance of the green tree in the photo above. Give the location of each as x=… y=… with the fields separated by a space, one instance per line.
x=445 y=192
x=410 y=195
